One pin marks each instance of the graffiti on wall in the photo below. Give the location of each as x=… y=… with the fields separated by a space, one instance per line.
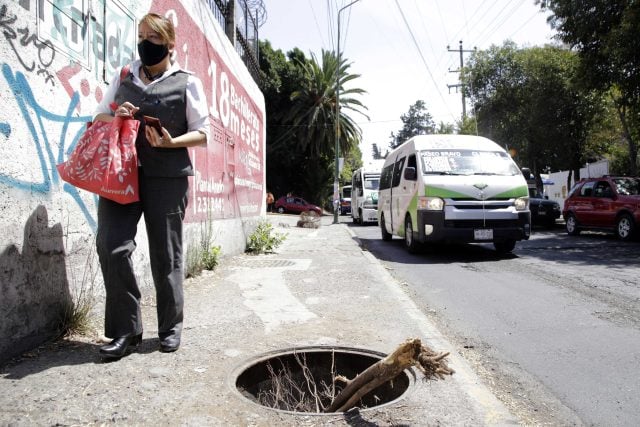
x=228 y=181
x=21 y=39
x=49 y=132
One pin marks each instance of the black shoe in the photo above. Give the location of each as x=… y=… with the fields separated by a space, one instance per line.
x=118 y=347
x=169 y=344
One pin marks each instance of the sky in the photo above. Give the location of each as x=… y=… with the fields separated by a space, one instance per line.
x=404 y=50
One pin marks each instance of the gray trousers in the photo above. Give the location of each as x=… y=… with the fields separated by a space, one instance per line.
x=162 y=202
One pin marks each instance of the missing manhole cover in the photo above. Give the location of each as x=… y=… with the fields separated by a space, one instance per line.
x=302 y=380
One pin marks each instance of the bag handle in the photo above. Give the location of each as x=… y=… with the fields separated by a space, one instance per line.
x=124 y=72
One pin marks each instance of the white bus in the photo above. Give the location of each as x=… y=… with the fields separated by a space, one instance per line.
x=364 y=192
x=453 y=188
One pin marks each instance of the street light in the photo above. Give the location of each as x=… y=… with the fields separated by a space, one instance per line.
x=336 y=182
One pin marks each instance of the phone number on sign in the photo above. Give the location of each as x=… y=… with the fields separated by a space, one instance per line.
x=209 y=205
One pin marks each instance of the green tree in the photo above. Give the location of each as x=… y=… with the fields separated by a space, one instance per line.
x=280 y=75
x=468 y=126
x=314 y=106
x=445 y=128
x=300 y=98
x=605 y=35
x=528 y=100
x=417 y=121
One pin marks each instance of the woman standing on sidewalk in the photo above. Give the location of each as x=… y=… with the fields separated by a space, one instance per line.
x=155 y=86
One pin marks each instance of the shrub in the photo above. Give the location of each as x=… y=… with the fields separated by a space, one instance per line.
x=262 y=240
x=210 y=257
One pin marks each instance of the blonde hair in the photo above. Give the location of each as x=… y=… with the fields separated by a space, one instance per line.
x=161 y=25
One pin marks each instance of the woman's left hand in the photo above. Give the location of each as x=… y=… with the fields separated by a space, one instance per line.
x=156 y=140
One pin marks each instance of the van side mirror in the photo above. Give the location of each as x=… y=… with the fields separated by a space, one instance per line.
x=410 y=174
x=526 y=172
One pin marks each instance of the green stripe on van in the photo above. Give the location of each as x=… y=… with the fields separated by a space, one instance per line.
x=521 y=191
x=430 y=191
x=445 y=193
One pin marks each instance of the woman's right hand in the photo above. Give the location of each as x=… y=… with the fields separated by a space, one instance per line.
x=126 y=109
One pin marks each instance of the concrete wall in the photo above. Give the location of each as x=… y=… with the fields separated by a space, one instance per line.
x=559 y=190
x=56 y=57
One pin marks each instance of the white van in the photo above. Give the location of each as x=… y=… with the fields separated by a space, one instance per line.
x=345 y=200
x=365 y=182
x=453 y=188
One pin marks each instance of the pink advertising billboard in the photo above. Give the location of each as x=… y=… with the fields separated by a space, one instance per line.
x=229 y=172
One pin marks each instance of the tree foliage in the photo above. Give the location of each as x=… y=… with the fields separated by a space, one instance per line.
x=416 y=121
x=528 y=101
x=300 y=101
x=605 y=35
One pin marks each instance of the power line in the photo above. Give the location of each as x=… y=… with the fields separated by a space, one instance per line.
x=524 y=24
x=315 y=19
x=462 y=30
x=415 y=42
x=330 y=20
x=499 y=24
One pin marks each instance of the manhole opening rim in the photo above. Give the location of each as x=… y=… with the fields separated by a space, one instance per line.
x=242 y=367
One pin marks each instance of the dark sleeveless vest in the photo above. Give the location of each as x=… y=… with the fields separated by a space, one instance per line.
x=167 y=101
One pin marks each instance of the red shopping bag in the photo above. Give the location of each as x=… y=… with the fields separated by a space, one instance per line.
x=105 y=162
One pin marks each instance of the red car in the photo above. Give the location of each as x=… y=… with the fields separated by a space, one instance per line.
x=293 y=204
x=607 y=203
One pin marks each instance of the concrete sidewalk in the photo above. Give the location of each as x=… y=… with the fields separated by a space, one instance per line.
x=319 y=290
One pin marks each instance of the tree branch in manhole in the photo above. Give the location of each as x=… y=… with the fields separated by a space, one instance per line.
x=306 y=388
x=297 y=391
x=409 y=354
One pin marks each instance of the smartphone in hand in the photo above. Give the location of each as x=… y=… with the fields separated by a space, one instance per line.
x=154 y=122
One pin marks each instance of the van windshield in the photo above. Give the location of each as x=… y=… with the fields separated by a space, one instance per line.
x=371 y=183
x=467 y=162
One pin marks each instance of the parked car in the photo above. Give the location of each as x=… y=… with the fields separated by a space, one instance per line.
x=293 y=204
x=544 y=212
x=607 y=203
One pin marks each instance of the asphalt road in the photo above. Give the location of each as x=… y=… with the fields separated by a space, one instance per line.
x=554 y=328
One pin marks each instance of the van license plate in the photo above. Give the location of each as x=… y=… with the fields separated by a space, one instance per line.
x=483 y=234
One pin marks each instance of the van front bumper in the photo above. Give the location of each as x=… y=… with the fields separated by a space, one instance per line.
x=369 y=215
x=433 y=227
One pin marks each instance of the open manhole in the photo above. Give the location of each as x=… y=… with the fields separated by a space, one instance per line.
x=303 y=379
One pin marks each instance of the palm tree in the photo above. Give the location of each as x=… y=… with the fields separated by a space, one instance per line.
x=313 y=112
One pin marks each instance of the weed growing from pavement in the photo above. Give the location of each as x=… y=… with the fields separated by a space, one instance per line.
x=264 y=239
x=75 y=317
x=204 y=256
x=211 y=257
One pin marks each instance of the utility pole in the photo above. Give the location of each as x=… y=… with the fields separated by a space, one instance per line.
x=336 y=182
x=459 y=85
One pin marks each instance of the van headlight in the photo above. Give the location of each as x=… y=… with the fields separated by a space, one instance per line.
x=521 y=203
x=431 y=203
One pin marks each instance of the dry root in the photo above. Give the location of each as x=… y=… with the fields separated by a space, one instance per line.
x=309 y=219
x=299 y=391
x=409 y=354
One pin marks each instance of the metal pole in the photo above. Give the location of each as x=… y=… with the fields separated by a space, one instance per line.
x=336 y=181
x=464 y=104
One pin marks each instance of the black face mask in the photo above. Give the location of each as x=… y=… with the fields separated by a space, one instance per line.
x=150 y=53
